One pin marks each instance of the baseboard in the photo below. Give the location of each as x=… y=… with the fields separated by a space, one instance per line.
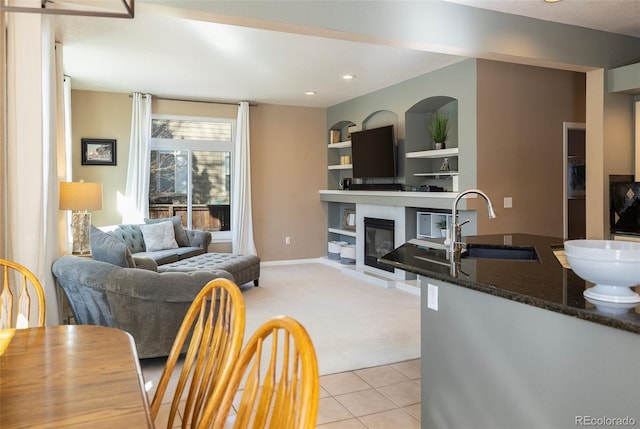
x=409 y=286
x=290 y=262
x=371 y=277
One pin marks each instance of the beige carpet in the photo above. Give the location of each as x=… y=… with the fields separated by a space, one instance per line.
x=353 y=323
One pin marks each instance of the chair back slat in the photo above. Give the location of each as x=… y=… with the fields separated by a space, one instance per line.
x=6 y=303
x=214 y=326
x=278 y=373
x=24 y=306
x=29 y=291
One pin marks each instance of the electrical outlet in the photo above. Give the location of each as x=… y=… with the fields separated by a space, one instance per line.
x=287 y=240
x=432 y=296
x=508 y=202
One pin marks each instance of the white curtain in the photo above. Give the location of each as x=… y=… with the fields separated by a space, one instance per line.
x=135 y=206
x=32 y=213
x=57 y=168
x=241 y=217
x=65 y=173
x=63 y=149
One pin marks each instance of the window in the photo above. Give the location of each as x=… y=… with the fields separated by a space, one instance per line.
x=190 y=172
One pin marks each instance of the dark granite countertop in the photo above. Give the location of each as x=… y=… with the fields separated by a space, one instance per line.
x=543 y=283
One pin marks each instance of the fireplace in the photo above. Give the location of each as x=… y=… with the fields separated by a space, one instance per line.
x=379 y=240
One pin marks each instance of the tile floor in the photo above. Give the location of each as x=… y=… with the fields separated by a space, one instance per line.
x=381 y=397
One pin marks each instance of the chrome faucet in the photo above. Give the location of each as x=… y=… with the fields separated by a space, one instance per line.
x=456 y=244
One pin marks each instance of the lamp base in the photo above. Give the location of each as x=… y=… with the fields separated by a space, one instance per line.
x=80 y=223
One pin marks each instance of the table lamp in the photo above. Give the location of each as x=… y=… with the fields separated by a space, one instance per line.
x=80 y=197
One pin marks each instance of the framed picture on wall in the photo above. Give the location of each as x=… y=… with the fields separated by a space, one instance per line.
x=99 y=152
x=576 y=179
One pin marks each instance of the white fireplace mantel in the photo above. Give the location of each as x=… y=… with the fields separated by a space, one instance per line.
x=434 y=200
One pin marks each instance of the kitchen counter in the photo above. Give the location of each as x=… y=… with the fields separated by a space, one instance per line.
x=542 y=283
x=514 y=344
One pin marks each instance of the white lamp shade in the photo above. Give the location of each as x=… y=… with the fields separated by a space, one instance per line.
x=80 y=196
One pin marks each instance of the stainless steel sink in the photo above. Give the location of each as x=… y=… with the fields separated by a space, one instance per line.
x=483 y=251
x=437 y=253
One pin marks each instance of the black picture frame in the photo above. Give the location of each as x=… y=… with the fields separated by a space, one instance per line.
x=99 y=152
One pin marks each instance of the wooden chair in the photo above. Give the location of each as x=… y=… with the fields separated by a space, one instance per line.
x=278 y=371
x=26 y=285
x=214 y=326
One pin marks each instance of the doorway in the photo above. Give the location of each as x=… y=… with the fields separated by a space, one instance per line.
x=574 y=207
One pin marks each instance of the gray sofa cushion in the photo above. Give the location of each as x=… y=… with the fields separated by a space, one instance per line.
x=171 y=255
x=107 y=248
x=178 y=229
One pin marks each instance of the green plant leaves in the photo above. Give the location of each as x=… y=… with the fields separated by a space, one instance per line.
x=439 y=128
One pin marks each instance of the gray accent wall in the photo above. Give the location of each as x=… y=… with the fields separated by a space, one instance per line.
x=457 y=81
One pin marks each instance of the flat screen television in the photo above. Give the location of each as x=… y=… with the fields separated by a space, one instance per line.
x=373 y=153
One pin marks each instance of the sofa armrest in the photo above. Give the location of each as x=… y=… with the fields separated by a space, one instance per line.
x=145 y=263
x=199 y=238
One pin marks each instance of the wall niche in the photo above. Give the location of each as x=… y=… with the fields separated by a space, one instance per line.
x=425 y=165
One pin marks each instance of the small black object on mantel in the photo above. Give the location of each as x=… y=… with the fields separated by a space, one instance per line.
x=430 y=188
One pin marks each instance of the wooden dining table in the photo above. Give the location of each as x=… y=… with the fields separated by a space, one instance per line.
x=71 y=376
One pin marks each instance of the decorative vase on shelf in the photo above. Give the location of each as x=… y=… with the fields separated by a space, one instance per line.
x=439 y=146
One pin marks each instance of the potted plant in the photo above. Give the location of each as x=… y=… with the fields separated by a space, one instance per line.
x=442 y=225
x=439 y=129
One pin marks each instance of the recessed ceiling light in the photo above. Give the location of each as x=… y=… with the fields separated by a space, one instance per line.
x=348 y=76
x=310 y=92
x=551 y=1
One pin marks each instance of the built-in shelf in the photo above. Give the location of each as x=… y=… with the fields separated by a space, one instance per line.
x=342 y=232
x=436 y=174
x=339 y=145
x=340 y=167
x=427 y=224
x=436 y=153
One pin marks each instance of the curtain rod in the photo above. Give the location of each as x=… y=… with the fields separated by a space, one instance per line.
x=228 y=103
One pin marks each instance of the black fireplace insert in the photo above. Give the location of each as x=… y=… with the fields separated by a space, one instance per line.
x=379 y=239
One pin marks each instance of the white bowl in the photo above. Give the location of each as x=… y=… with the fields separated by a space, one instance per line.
x=612 y=308
x=613 y=266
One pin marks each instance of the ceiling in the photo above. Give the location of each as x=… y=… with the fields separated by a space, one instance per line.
x=614 y=16
x=171 y=56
